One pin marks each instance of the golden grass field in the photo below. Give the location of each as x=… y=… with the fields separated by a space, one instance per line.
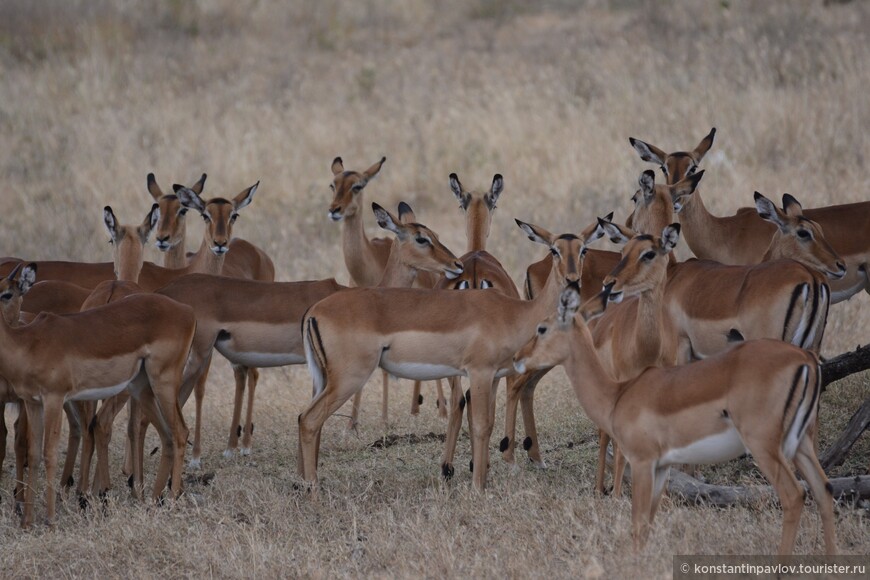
x=96 y=94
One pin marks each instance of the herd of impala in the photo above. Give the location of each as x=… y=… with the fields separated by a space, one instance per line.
x=677 y=362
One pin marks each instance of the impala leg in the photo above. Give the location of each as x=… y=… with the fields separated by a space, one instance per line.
x=442 y=402
x=22 y=444
x=88 y=412
x=138 y=428
x=512 y=399
x=791 y=494
x=53 y=409
x=4 y=431
x=240 y=374
x=454 y=425
x=660 y=478
x=35 y=433
x=354 y=410
x=527 y=403
x=102 y=433
x=603 y=441
x=148 y=406
x=641 y=502
x=808 y=462
x=619 y=473
x=481 y=427
x=75 y=419
x=416 y=397
x=248 y=433
x=199 y=395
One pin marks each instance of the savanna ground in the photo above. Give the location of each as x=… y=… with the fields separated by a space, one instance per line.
x=95 y=94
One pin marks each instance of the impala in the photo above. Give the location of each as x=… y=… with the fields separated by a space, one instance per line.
x=422 y=334
x=742 y=238
x=759 y=397
x=259 y=323
x=366 y=258
x=139 y=344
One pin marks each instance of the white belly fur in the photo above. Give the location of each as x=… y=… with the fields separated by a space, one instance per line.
x=261 y=359
x=99 y=393
x=418 y=371
x=717 y=448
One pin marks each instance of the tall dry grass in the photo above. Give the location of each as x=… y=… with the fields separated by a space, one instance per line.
x=96 y=94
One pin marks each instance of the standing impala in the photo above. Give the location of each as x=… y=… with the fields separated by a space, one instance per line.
x=423 y=334
x=139 y=344
x=759 y=397
x=742 y=238
x=366 y=258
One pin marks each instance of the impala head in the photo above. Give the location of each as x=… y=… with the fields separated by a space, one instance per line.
x=347 y=187
x=567 y=250
x=478 y=206
x=171 y=225
x=219 y=214
x=551 y=345
x=128 y=242
x=418 y=246
x=675 y=166
x=12 y=289
x=798 y=237
x=643 y=266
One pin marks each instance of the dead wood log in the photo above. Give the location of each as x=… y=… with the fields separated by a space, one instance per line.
x=846 y=364
x=836 y=453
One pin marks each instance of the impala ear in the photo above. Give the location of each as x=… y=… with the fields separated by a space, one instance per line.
x=618 y=234
x=704 y=146
x=461 y=195
x=199 y=185
x=536 y=233
x=647 y=182
x=791 y=206
x=111 y=223
x=153 y=188
x=406 y=213
x=27 y=278
x=337 y=166
x=189 y=198
x=374 y=169
x=494 y=191
x=149 y=223
x=768 y=211
x=569 y=303
x=648 y=152
x=681 y=191
x=11 y=275
x=670 y=237
x=388 y=221
x=245 y=197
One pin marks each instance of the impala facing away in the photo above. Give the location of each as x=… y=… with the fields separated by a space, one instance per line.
x=139 y=344
x=423 y=334
x=742 y=238
x=759 y=397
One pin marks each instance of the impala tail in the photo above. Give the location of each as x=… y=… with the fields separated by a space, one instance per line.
x=315 y=356
x=801 y=407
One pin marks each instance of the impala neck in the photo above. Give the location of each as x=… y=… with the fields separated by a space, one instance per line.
x=358 y=252
x=206 y=262
x=13 y=348
x=648 y=327
x=700 y=228
x=175 y=257
x=596 y=389
x=477 y=222
x=397 y=274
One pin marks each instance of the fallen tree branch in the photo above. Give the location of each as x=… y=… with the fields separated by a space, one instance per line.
x=846 y=364
x=684 y=486
x=836 y=453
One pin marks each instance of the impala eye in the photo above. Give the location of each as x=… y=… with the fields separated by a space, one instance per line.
x=6 y=296
x=233 y=218
x=542 y=329
x=665 y=169
x=356 y=188
x=692 y=170
x=583 y=251
x=206 y=219
x=182 y=211
x=421 y=240
x=332 y=186
x=804 y=234
x=648 y=256
x=555 y=253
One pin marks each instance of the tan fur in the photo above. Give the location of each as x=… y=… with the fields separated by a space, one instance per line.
x=755 y=388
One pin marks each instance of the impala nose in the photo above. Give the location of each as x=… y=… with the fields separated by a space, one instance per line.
x=220 y=248
x=335 y=214
x=162 y=243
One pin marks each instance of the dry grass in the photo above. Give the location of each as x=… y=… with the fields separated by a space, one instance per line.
x=97 y=94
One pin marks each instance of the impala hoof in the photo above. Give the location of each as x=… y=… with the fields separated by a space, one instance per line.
x=194 y=463
x=228 y=453
x=245 y=451
x=540 y=464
